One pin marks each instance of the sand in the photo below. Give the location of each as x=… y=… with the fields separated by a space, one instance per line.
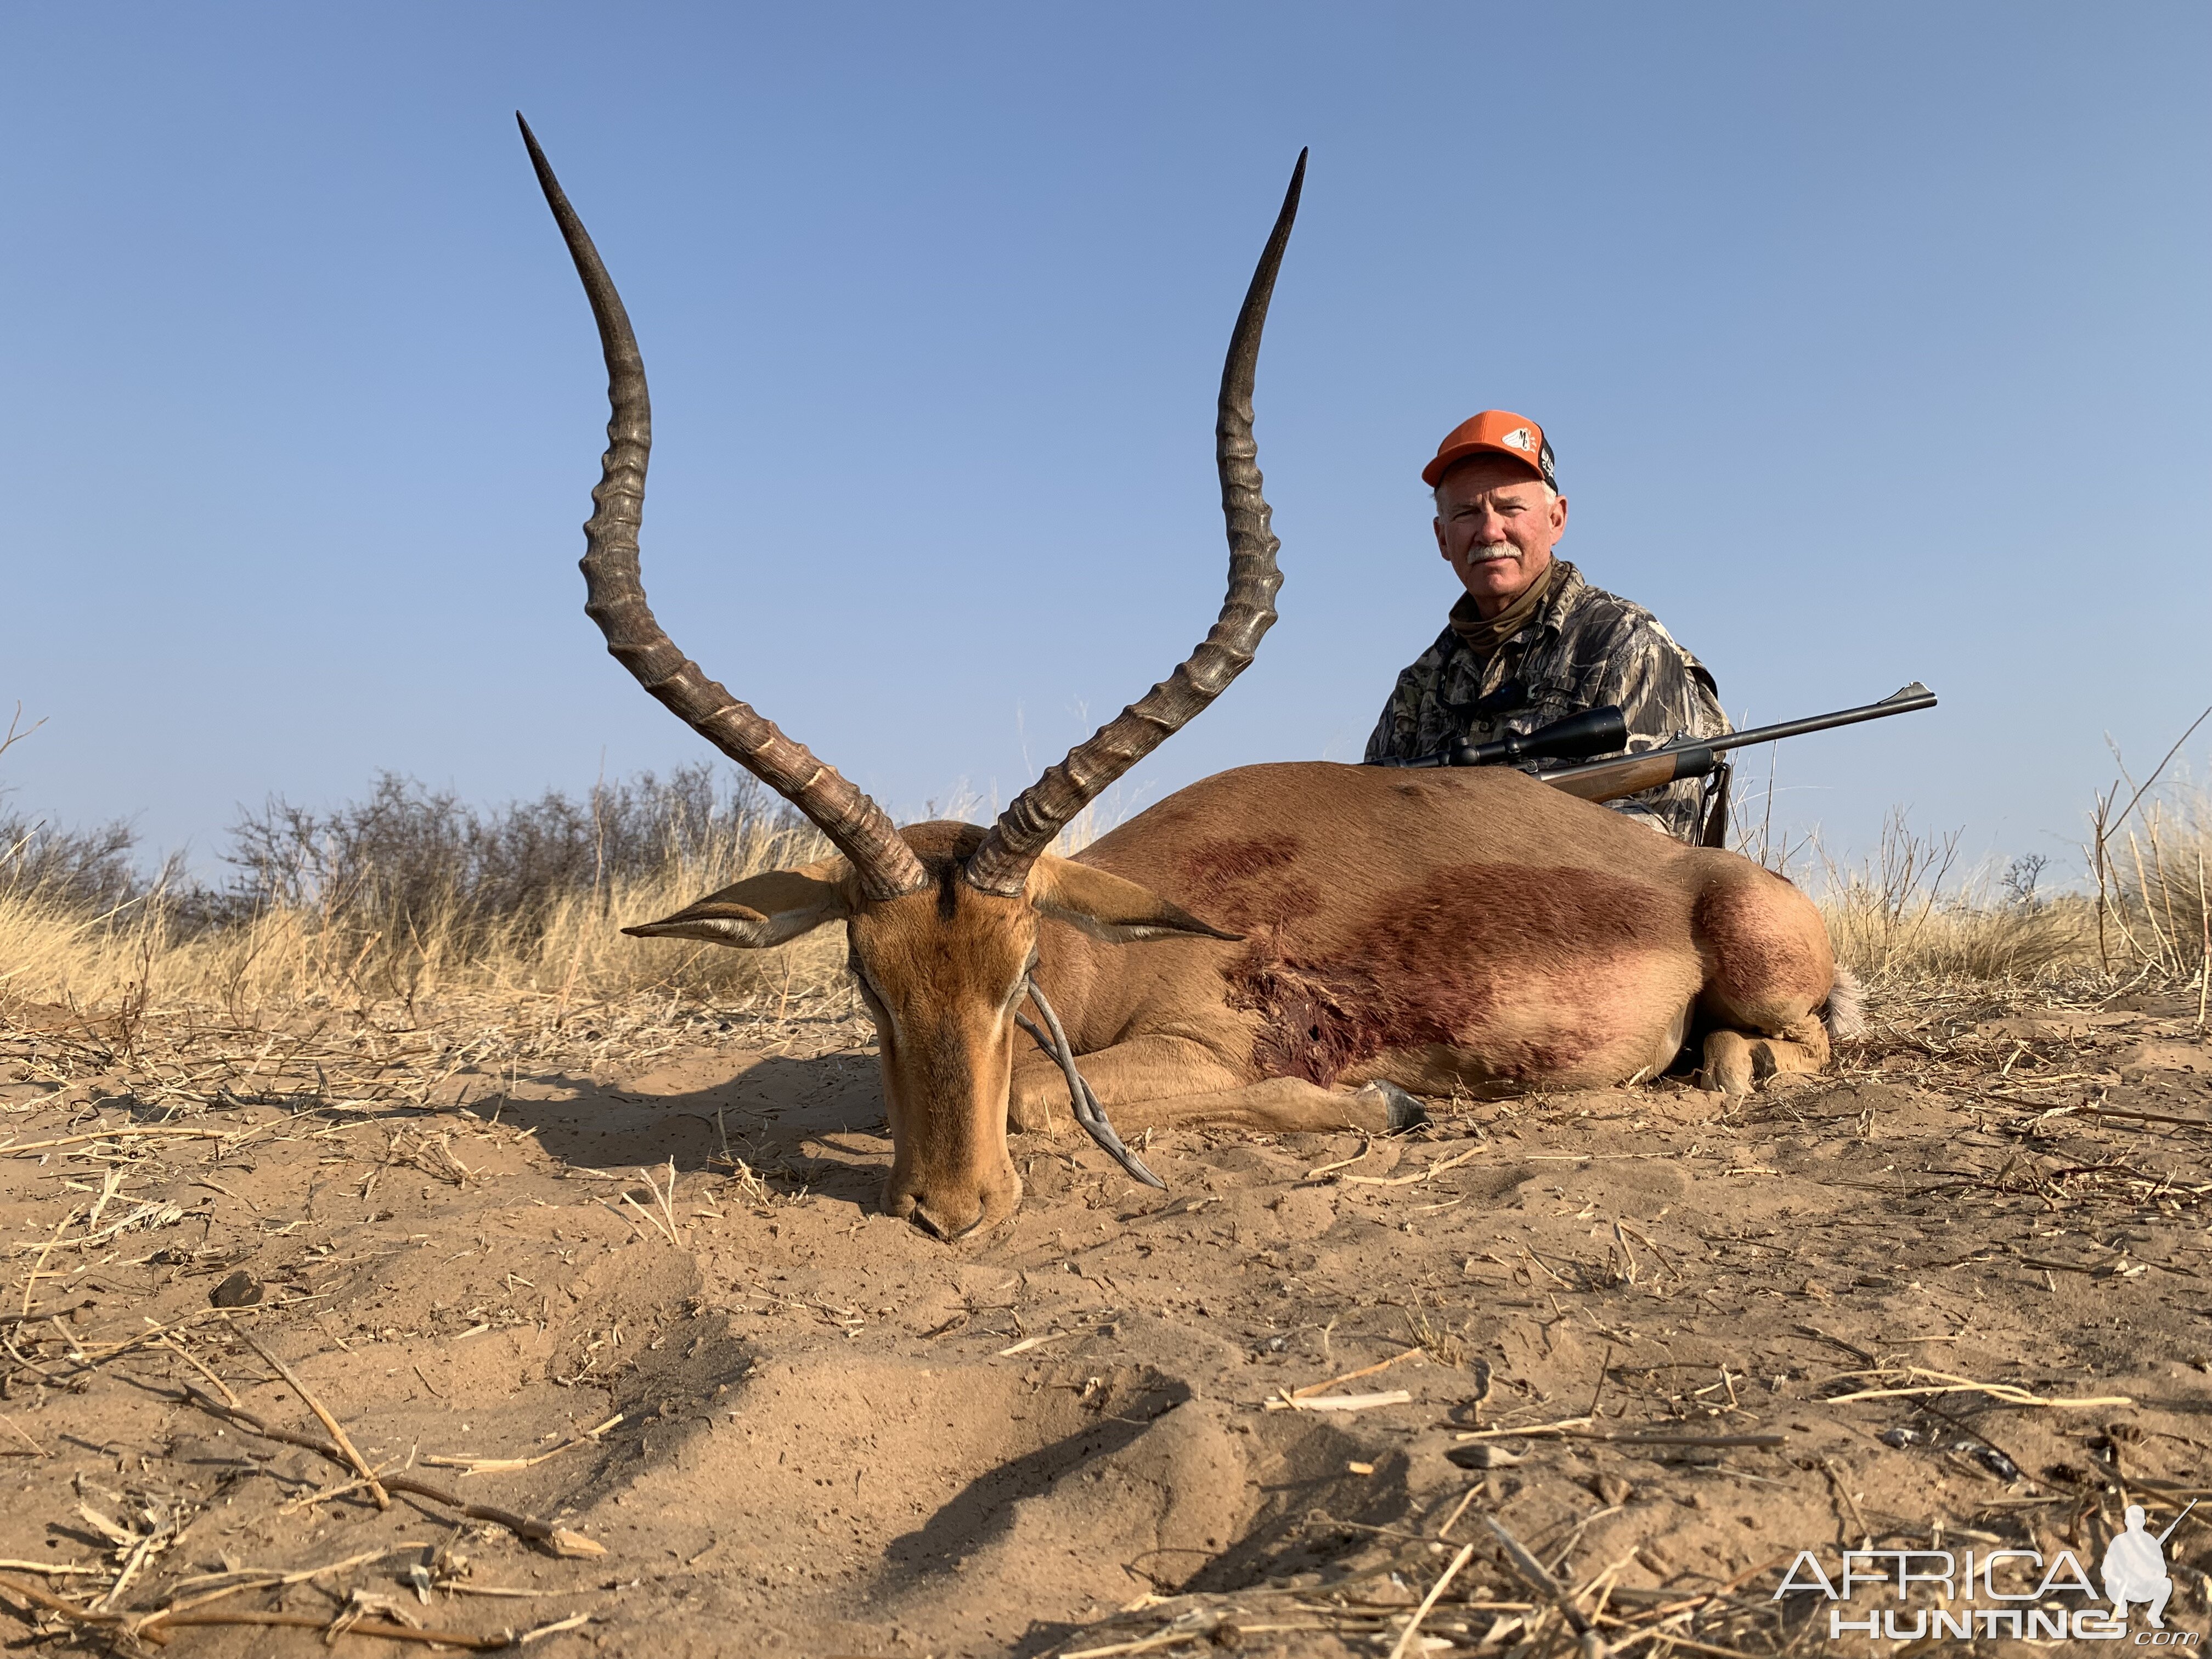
x=637 y=1262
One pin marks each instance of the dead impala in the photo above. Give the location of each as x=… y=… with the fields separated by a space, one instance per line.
x=1308 y=928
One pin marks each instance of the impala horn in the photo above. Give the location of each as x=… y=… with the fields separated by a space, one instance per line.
x=1001 y=863
x=615 y=599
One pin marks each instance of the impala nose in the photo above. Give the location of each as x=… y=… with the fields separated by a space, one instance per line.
x=924 y=1217
x=953 y=1210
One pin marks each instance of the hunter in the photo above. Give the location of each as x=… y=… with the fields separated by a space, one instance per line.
x=1530 y=642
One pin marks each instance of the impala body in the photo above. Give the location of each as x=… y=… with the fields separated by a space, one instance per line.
x=1252 y=949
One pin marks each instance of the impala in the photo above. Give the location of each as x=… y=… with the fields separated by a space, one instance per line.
x=1311 y=940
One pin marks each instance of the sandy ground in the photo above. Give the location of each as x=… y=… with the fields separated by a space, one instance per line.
x=759 y=1417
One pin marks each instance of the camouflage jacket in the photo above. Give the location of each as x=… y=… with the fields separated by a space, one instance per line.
x=1585 y=648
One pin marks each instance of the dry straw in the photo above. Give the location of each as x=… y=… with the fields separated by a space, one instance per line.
x=407 y=898
x=413 y=898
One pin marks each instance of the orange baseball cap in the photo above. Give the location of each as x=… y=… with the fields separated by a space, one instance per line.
x=1495 y=431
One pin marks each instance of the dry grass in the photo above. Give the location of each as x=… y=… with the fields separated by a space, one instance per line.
x=2147 y=855
x=301 y=958
x=412 y=899
x=350 y=910
x=1907 y=916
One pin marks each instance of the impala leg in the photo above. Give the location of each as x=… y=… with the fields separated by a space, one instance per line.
x=1157 y=1082
x=1738 y=1061
x=1768 y=967
x=1281 y=1105
x=1141 y=1069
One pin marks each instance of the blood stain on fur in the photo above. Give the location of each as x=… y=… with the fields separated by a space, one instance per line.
x=1248 y=884
x=1472 y=959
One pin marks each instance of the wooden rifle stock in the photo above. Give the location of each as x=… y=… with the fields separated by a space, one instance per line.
x=1632 y=775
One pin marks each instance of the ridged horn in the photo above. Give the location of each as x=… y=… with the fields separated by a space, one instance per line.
x=615 y=599
x=1001 y=863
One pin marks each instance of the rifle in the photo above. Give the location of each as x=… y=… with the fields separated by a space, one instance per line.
x=1595 y=731
x=2176 y=1521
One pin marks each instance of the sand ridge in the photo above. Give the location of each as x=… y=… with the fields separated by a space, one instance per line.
x=653 y=1290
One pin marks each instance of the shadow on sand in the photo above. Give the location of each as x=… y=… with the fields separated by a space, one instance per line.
x=816 y=1123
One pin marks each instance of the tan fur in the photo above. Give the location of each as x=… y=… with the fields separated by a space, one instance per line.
x=1308 y=928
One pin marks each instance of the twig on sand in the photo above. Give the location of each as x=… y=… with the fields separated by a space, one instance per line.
x=1406 y=1636
x=389 y=1630
x=1341 y=1402
x=1563 y=1425
x=90 y=1359
x=560 y=1540
x=31 y=1278
x=1948 y=1382
x=1317 y=1397
x=133 y=1131
x=324 y=1495
x=1174 y=1635
x=155 y=1627
x=1531 y=1569
x=469 y=1465
x=663 y=1205
x=32 y=1596
x=667 y=1197
x=1436 y=1169
x=2097 y=1108
x=322 y=1414
x=177 y=1347
x=571 y=1622
x=1459 y=1508
x=1678 y=1437
x=213 y=1587
x=1367 y=1146
x=1313 y=1389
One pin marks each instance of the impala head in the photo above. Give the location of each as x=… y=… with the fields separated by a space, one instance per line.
x=940 y=919
x=944 y=969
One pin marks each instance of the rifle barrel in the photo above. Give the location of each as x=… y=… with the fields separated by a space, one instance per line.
x=1913 y=696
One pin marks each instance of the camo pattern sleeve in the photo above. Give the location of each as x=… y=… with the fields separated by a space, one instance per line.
x=1409 y=720
x=1586 y=648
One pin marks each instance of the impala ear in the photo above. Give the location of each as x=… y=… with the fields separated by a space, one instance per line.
x=761 y=910
x=1109 y=908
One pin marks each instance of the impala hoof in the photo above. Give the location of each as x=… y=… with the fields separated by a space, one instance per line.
x=1406 y=1112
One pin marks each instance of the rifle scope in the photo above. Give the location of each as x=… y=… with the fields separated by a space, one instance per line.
x=1593 y=731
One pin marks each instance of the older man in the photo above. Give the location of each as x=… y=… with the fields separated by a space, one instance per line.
x=1530 y=642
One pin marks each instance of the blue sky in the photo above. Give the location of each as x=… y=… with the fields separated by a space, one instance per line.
x=1873 y=339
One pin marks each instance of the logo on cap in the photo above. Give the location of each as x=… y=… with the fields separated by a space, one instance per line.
x=1519 y=438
